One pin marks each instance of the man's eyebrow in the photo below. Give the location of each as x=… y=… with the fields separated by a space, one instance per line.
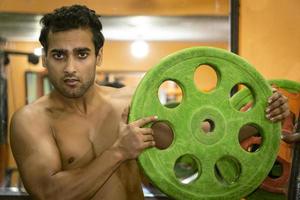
x=58 y=50
x=82 y=49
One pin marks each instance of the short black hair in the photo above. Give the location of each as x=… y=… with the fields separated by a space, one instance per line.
x=71 y=17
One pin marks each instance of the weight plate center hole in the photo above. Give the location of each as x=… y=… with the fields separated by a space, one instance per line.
x=207 y=126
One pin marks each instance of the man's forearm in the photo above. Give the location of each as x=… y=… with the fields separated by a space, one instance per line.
x=83 y=183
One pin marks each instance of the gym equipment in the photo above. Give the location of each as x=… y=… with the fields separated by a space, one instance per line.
x=278 y=183
x=243 y=97
x=279 y=174
x=260 y=194
x=225 y=170
x=31 y=58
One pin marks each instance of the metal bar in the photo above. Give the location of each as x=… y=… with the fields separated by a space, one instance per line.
x=3 y=103
x=234 y=25
x=294 y=183
x=234 y=32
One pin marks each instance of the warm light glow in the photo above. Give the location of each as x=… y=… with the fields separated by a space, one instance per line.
x=139 y=49
x=38 y=51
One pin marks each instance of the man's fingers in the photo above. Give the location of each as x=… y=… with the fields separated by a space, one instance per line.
x=276 y=103
x=147 y=131
x=149 y=144
x=278 y=110
x=142 y=122
x=274 y=96
x=148 y=138
x=280 y=117
x=291 y=138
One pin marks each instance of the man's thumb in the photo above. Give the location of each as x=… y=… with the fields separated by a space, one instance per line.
x=125 y=114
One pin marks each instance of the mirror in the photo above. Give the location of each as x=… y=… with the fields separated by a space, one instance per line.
x=138 y=34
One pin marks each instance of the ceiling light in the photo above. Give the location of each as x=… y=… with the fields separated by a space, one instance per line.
x=139 y=49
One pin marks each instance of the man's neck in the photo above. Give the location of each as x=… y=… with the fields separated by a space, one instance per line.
x=82 y=105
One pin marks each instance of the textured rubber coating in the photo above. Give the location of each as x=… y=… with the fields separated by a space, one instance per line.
x=196 y=106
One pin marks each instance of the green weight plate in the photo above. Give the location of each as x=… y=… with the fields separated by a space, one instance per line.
x=290 y=86
x=222 y=144
x=244 y=96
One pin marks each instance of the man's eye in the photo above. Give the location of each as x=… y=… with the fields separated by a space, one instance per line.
x=58 y=56
x=82 y=54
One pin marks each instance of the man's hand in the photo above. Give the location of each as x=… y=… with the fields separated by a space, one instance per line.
x=133 y=138
x=290 y=138
x=278 y=108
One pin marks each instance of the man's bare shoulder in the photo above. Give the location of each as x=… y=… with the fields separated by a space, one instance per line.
x=31 y=114
x=35 y=108
x=124 y=93
x=119 y=98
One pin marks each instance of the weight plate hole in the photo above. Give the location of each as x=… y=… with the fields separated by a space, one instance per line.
x=163 y=135
x=228 y=170
x=207 y=126
x=186 y=169
x=205 y=78
x=244 y=105
x=170 y=94
x=250 y=138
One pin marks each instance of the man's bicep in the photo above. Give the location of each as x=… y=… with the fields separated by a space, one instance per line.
x=34 y=150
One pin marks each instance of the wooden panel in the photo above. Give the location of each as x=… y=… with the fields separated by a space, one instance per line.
x=269 y=37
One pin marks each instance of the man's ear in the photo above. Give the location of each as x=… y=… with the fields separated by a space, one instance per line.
x=99 y=57
x=44 y=62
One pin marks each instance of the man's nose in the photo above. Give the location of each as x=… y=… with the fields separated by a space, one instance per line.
x=70 y=66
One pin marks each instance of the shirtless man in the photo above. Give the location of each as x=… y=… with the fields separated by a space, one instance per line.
x=75 y=143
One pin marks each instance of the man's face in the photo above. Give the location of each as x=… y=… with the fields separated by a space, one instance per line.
x=71 y=61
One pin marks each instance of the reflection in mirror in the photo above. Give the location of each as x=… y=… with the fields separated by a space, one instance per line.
x=37 y=84
x=162 y=29
x=31 y=87
x=47 y=86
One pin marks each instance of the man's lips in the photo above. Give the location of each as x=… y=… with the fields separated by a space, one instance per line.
x=71 y=81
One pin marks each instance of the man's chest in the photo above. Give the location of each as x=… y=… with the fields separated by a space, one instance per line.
x=80 y=139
